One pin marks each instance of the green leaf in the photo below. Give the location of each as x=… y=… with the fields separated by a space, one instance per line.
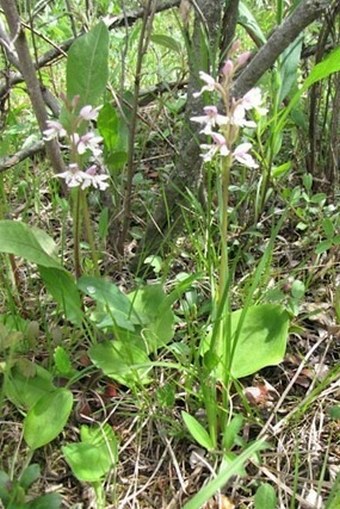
x=261 y=340
x=320 y=71
x=334 y=412
x=62 y=362
x=279 y=171
x=5 y=486
x=19 y=239
x=63 y=289
x=167 y=42
x=265 y=497
x=87 y=66
x=298 y=289
x=36 y=246
x=290 y=62
x=223 y=476
x=323 y=246
x=228 y=459
x=92 y=458
x=231 y=431
x=24 y=391
x=333 y=501
x=115 y=133
x=124 y=361
x=103 y=223
x=47 y=418
x=248 y=21
x=197 y=431
x=49 y=501
x=117 y=307
x=328 y=227
x=29 y=476
x=153 y=309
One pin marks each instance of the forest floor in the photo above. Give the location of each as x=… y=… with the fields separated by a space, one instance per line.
x=159 y=466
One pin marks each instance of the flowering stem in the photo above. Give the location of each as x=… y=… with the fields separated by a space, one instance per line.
x=224 y=270
x=76 y=234
x=89 y=232
x=223 y=346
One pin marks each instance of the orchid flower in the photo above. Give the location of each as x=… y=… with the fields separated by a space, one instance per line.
x=211 y=119
x=95 y=179
x=238 y=117
x=88 y=112
x=219 y=146
x=74 y=177
x=210 y=86
x=54 y=129
x=88 y=141
x=241 y=155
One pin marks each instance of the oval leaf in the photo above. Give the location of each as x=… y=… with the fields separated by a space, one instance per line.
x=92 y=459
x=87 y=66
x=197 y=431
x=261 y=340
x=47 y=418
x=265 y=497
x=19 y=239
x=124 y=361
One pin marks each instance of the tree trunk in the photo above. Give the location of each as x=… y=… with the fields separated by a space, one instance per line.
x=187 y=173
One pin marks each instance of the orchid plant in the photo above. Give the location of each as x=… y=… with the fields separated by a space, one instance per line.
x=224 y=130
x=85 y=169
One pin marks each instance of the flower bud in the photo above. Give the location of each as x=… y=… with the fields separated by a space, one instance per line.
x=228 y=68
x=235 y=46
x=243 y=58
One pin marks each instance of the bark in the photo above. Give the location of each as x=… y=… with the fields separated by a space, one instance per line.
x=188 y=168
x=32 y=83
x=202 y=55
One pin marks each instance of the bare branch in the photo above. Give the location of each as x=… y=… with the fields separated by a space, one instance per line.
x=33 y=86
x=60 y=50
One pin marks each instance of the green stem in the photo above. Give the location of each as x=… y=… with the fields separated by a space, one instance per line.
x=223 y=336
x=100 y=496
x=76 y=234
x=89 y=232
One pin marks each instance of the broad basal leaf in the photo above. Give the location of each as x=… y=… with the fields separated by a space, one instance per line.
x=156 y=316
x=92 y=458
x=37 y=247
x=262 y=339
x=47 y=418
x=31 y=244
x=122 y=361
x=24 y=390
x=115 y=305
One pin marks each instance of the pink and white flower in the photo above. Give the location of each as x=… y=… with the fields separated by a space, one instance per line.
x=88 y=141
x=238 y=117
x=211 y=119
x=88 y=112
x=210 y=86
x=253 y=100
x=219 y=146
x=243 y=58
x=74 y=177
x=241 y=155
x=54 y=129
x=95 y=179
